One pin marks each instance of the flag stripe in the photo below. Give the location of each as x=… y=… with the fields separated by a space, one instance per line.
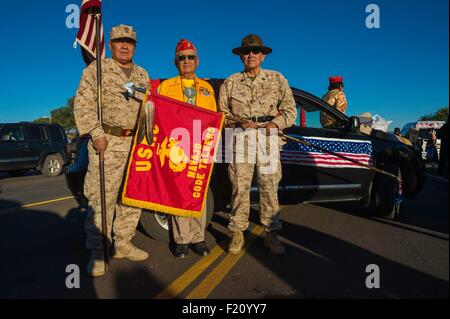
x=354 y=156
x=300 y=154
x=87 y=33
x=325 y=165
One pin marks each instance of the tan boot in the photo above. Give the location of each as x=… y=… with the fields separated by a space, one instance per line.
x=272 y=242
x=96 y=264
x=129 y=251
x=237 y=242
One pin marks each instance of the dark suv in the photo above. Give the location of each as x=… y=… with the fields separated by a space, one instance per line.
x=25 y=146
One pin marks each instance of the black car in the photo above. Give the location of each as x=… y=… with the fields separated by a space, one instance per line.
x=332 y=180
x=25 y=146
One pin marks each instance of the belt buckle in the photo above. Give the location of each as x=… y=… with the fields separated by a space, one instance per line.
x=125 y=132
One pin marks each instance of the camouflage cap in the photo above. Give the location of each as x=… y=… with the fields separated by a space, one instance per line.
x=122 y=32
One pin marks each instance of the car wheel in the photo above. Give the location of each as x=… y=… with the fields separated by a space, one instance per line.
x=53 y=165
x=386 y=199
x=156 y=225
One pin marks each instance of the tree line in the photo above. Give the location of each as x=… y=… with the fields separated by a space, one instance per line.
x=439 y=115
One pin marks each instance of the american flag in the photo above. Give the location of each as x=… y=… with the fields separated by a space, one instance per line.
x=86 y=33
x=300 y=154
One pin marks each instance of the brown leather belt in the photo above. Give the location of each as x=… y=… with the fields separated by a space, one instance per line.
x=117 y=130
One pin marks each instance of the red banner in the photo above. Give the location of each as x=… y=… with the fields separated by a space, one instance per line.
x=172 y=174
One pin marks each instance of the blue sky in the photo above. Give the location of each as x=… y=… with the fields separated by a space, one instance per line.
x=399 y=71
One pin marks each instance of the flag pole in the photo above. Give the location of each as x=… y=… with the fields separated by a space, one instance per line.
x=98 y=60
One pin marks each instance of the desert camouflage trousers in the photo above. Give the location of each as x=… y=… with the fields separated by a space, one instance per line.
x=241 y=175
x=121 y=220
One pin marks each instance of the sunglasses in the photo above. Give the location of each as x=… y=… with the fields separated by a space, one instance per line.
x=254 y=51
x=184 y=57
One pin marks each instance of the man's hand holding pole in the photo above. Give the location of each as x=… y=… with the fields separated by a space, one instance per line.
x=100 y=145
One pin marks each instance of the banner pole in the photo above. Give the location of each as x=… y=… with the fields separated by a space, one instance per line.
x=101 y=156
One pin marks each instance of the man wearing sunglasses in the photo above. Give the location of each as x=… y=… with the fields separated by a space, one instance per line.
x=258 y=98
x=187 y=87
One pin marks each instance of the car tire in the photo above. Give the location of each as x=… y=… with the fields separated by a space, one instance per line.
x=156 y=225
x=53 y=165
x=384 y=200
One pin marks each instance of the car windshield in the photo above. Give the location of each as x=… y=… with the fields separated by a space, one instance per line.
x=406 y=128
x=312 y=115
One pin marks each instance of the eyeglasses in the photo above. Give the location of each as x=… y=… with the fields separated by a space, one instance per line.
x=254 y=51
x=184 y=57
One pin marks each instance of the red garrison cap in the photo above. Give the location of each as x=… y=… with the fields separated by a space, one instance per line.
x=184 y=45
x=336 y=79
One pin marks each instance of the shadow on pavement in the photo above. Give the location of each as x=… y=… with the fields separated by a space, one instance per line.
x=137 y=284
x=317 y=265
x=4 y=175
x=37 y=246
x=423 y=212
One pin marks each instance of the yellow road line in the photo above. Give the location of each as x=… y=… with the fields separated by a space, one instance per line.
x=13 y=209
x=176 y=287
x=204 y=289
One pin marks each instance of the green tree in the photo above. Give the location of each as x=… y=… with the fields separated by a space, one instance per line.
x=439 y=115
x=43 y=120
x=62 y=116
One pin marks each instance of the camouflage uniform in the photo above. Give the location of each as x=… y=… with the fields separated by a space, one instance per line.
x=338 y=101
x=117 y=112
x=268 y=95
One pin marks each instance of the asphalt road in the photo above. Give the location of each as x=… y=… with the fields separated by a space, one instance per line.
x=328 y=250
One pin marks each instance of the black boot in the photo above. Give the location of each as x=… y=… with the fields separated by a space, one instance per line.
x=200 y=249
x=181 y=250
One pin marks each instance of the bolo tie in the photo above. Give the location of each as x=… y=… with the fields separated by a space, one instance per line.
x=189 y=92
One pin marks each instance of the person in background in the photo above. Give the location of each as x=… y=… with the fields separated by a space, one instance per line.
x=336 y=98
x=431 y=148
x=442 y=134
